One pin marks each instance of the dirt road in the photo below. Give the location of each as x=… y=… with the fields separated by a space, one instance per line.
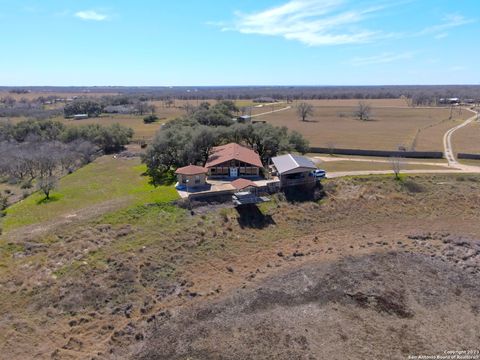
x=273 y=111
x=447 y=142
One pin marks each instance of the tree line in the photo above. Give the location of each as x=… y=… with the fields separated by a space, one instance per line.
x=189 y=139
x=37 y=152
x=42 y=161
x=107 y=138
x=111 y=104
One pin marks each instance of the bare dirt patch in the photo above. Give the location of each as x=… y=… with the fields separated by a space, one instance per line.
x=399 y=303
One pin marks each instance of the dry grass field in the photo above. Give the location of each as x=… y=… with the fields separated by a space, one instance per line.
x=467 y=139
x=389 y=127
x=393 y=123
x=60 y=95
x=354 y=102
x=346 y=165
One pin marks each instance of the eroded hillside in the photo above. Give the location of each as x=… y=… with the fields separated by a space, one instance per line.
x=377 y=260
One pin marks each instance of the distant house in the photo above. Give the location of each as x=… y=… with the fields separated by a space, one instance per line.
x=293 y=170
x=80 y=116
x=191 y=176
x=244 y=119
x=451 y=101
x=264 y=99
x=233 y=160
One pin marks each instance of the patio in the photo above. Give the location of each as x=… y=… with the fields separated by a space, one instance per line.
x=221 y=186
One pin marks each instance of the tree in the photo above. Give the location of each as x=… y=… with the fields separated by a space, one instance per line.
x=167 y=151
x=46 y=184
x=189 y=140
x=142 y=108
x=203 y=140
x=298 y=142
x=189 y=109
x=150 y=119
x=229 y=105
x=304 y=110
x=213 y=117
x=397 y=164
x=83 y=106
x=363 y=111
x=331 y=148
x=109 y=138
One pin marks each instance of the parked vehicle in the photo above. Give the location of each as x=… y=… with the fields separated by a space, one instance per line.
x=319 y=173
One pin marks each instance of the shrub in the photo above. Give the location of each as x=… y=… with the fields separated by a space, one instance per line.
x=150 y=119
x=3 y=202
x=413 y=187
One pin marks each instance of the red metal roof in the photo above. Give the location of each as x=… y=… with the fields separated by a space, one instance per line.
x=240 y=183
x=191 y=170
x=233 y=151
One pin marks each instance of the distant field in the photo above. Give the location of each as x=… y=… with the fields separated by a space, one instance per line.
x=467 y=139
x=346 y=165
x=62 y=95
x=354 y=102
x=393 y=123
x=389 y=127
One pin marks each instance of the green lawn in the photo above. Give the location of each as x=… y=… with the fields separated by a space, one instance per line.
x=107 y=182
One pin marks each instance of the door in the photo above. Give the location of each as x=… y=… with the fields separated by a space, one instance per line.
x=233 y=172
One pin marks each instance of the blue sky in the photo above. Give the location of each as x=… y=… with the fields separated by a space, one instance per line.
x=248 y=42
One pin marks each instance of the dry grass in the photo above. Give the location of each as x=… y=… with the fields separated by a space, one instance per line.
x=467 y=139
x=389 y=127
x=346 y=165
x=81 y=289
x=354 y=102
x=369 y=158
x=59 y=95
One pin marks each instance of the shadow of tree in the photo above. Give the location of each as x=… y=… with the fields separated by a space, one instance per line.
x=304 y=193
x=45 y=200
x=250 y=216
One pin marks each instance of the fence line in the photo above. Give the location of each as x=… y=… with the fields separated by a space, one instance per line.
x=379 y=153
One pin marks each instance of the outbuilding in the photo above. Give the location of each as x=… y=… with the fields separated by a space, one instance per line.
x=293 y=170
x=80 y=116
x=191 y=176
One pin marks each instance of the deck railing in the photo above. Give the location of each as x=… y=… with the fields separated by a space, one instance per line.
x=302 y=181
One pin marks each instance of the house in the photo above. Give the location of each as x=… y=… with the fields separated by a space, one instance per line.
x=264 y=99
x=233 y=160
x=244 y=119
x=241 y=184
x=293 y=170
x=80 y=116
x=246 y=193
x=191 y=176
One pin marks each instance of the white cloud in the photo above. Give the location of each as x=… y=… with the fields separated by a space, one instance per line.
x=311 y=22
x=450 y=21
x=441 y=36
x=91 y=15
x=330 y=22
x=380 y=59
